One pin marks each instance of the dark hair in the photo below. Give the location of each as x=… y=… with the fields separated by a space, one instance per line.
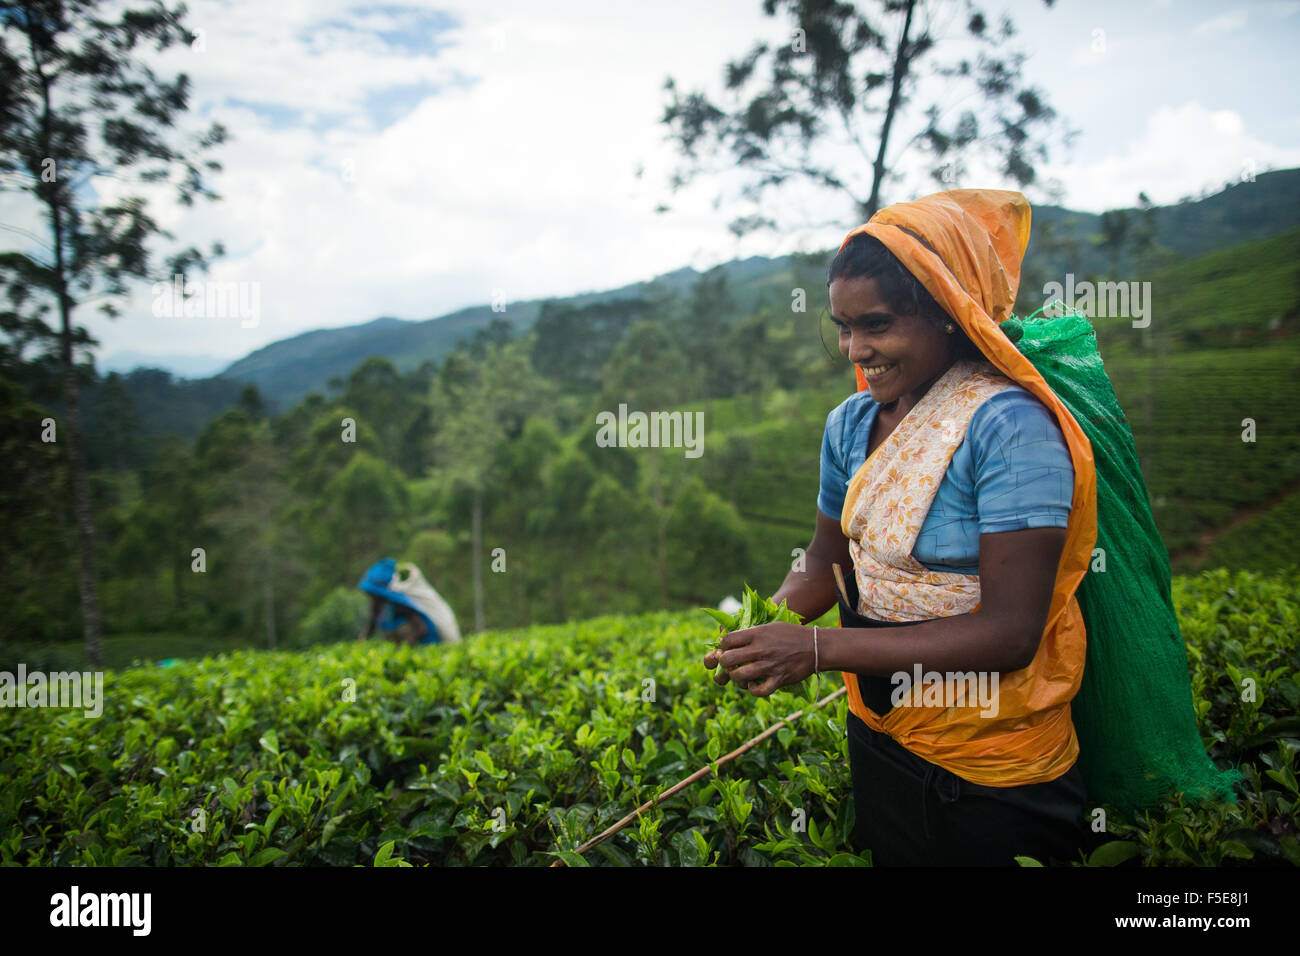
x=866 y=257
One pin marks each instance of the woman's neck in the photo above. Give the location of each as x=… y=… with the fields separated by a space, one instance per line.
x=900 y=406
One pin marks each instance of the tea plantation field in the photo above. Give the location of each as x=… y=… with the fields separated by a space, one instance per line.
x=1186 y=410
x=517 y=746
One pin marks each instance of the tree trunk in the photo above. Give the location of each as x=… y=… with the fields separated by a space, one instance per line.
x=559 y=588
x=901 y=61
x=269 y=590
x=661 y=530
x=91 y=627
x=478 y=559
x=180 y=567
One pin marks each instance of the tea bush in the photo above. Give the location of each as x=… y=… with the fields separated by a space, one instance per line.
x=517 y=746
x=340 y=616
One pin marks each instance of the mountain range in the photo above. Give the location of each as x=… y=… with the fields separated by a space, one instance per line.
x=287 y=370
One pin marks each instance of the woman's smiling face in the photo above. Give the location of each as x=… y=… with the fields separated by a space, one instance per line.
x=901 y=355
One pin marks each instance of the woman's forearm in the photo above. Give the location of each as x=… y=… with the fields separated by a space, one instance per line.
x=963 y=642
x=810 y=593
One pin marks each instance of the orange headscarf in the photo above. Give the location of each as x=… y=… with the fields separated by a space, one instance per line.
x=965 y=247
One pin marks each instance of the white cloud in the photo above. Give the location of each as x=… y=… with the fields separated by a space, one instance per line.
x=1183 y=150
x=518 y=173
x=1225 y=23
x=521 y=181
x=1286 y=8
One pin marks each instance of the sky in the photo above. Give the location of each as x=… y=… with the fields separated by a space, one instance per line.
x=411 y=159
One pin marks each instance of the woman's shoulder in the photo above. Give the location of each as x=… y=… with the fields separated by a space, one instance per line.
x=855 y=400
x=1010 y=404
x=1015 y=423
x=849 y=413
x=1014 y=405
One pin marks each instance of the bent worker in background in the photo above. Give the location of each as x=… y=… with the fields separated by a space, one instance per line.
x=405 y=607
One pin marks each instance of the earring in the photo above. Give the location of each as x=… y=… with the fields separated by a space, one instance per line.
x=949 y=327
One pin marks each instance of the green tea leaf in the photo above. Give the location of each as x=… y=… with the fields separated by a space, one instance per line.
x=263 y=857
x=1113 y=853
x=722 y=617
x=1235 y=849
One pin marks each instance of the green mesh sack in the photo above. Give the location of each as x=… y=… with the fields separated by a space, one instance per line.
x=1138 y=739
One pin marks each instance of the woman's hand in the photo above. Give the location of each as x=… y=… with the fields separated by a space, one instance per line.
x=765 y=658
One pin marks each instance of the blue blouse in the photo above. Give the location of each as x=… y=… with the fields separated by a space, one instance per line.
x=1012 y=471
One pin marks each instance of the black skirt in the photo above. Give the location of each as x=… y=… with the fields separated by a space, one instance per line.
x=911 y=812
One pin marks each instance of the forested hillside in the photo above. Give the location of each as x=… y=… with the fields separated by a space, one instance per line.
x=288 y=509
x=1063 y=241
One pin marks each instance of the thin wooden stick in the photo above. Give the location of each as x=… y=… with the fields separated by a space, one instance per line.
x=701 y=773
x=839 y=581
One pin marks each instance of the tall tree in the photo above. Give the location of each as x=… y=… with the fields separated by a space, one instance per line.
x=570 y=343
x=703 y=329
x=645 y=372
x=1113 y=237
x=34 y=534
x=767 y=347
x=497 y=332
x=379 y=395
x=707 y=542
x=846 y=78
x=78 y=102
x=249 y=498
x=171 y=514
x=361 y=515
x=475 y=407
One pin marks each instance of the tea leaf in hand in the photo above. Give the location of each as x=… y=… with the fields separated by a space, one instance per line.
x=754 y=610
